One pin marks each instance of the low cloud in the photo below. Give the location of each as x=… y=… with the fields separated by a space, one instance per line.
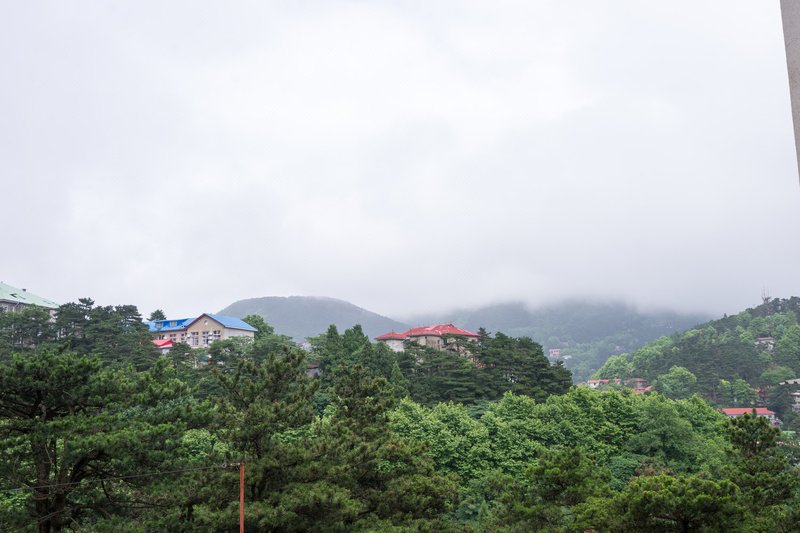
x=405 y=157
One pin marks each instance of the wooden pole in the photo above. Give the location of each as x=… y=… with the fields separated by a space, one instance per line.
x=241 y=497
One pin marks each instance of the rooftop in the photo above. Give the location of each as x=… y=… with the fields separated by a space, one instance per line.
x=439 y=330
x=163 y=343
x=22 y=296
x=179 y=324
x=739 y=411
x=229 y=321
x=176 y=324
x=391 y=336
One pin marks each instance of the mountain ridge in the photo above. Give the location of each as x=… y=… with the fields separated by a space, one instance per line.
x=301 y=317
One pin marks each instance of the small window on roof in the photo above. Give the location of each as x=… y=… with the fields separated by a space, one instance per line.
x=173 y=324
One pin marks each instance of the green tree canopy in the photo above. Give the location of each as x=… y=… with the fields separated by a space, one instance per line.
x=158 y=314
x=66 y=421
x=676 y=384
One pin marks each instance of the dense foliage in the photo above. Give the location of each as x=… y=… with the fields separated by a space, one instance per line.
x=100 y=433
x=728 y=361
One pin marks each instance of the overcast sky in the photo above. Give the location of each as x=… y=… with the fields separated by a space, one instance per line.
x=404 y=156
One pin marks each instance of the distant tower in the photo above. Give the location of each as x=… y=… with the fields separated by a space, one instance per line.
x=765 y=298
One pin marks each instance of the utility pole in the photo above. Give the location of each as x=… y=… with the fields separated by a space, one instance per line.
x=241 y=490
x=241 y=497
x=790 y=13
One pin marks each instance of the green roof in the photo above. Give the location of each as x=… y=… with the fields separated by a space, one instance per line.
x=21 y=296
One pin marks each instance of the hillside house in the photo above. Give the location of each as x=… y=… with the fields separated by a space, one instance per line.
x=13 y=299
x=200 y=332
x=795 y=401
x=597 y=383
x=163 y=345
x=313 y=370
x=734 y=412
x=395 y=341
x=439 y=337
x=766 y=344
x=639 y=385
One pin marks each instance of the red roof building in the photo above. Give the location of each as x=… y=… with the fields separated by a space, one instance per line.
x=440 y=330
x=163 y=345
x=440 y=337
x=392 y=336
x=733 y=412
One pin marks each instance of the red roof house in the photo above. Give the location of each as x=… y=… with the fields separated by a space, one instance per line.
x=440 y=330
x=440 y=337
x=733 y=412
x=163 y=345
x=392 y=336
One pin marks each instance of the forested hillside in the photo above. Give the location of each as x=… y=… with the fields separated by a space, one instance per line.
x=99 y=432
x=726 y=360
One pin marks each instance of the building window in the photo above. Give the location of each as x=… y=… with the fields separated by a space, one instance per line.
x=194 y=338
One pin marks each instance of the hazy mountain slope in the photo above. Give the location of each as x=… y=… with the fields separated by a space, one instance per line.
x=759 y=346
x=307 y=316
x=587 y=333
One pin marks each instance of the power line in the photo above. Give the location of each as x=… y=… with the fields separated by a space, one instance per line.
x=96 y=480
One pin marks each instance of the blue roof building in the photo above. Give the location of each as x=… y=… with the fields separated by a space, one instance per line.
x=169 y=325
x=200 y=332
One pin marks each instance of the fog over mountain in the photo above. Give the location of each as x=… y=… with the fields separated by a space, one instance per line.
x=573 y=321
